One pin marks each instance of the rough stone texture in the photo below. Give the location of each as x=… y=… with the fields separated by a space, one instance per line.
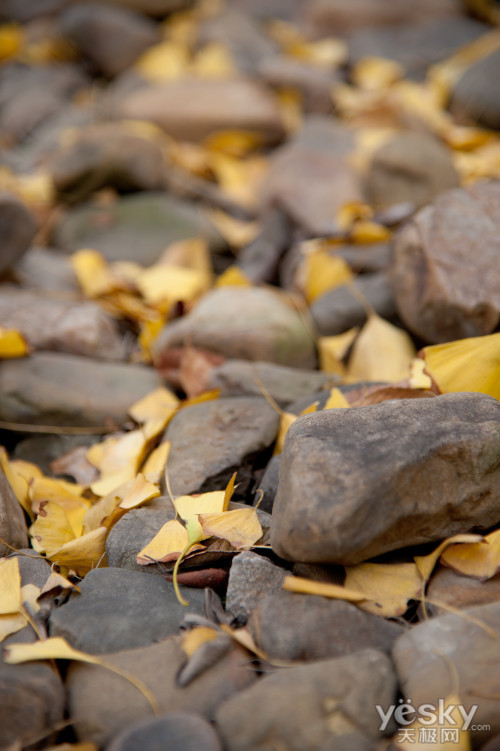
x=31 y=702
x=101 y=703
x=111 y=38
x=17 y=230
x=45 y=269
x=289 y=626
x=134 y=228
x=54 y=389
x=244 y=322
x=413 y=167
x=338 y=310
x=120 y=609
x=251 y=577
x=324 y=705
x=185 y=732
x=12 y=524
x=133 y=532
x=416 y=46
x=75 y=327
x=474 y=97
x=211 y=440
x=387 y=476
x=42 y=450
x=107 y=154
x=34 y=569
x=456 y=591
x=471 y=663
x=269 y=484
x=193 y=108
x=310 y=178
x=243 y=378
x=446 y=271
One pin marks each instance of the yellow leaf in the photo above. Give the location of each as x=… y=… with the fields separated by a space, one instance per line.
x=52 y=528
x=10 y=586
x=477 y=559
x=290 y=105
x=322 y=589
x=333 y=349
x=188 y=506
x=10 y=623
x=93 y=273
x=426 y=563
x=196 y=637
x=382 y=352
x=12 y=344
x=418 y=379
x=156 y=404
x=213 y=61
x=18 y=483
x=154 y=466
x=449 y=365
x=421 y=736
x=387 y=586
x=11 y=40
x=236 y=143
x=310 y=409
x=140 y=492
x=109 y=483
x=240 y=179
x=363 y=233
x=233 y=276
x=27 y=470
x=118 y=459
x=172 y=284
x=236 y=232
x=228 y=493
x=376 y=73
x=241 y=527
x=56 y=581
x=83 y=553
x=351 y=212
x=336 y=400
x=327 y=53
x=286 y=419
x=149 y=331
x=166 y=61
x=166 y=545
x=324 y=272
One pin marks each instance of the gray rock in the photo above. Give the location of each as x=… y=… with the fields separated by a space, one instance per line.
x=211 y=440
x=455 y=653
x=34 y=569
x=338 y=310
x=73 y=326
x=134 y=228
x=474 y=97
x=43 y=450
x=413 y=167
x=269 y=484
x=185 y=732
x=51 y=388
x=285 y=384
x=250 y=323
x=107 y=154
x=251 y=577
x=193 y=108
x=264 y=10
x=448 y=588
x=314 y=82
x=376 y=463
x=289 y=626
x=366 y=259
x=259 y=261
x=47 y=270
x=120 y=609
x=324 y=705
x=13 y=529
x=446 y=270
x=101 y=703
x=31 y=702
x=17 y=230
x=133 y=532
x=111 y=38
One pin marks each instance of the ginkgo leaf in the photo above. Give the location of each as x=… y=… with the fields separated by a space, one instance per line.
x=426 y=563
x=166 y=61
x=148 y=334
x=418 y=378
x=51 y=529
x=18 y=483
x=166 y=545
x=213 y=61
x=241 y=527
x=387 y=586
x=10 y=586
x=83 y=553
x=336 y=400
x=449 y=365
x=478 y=559
x=381 y=352
x=12 y=344
x=11 y=40
x=104 y=507
x=366 y=233
x=228 y=493
x=286 y=419
x=376 y=73
x=11 y=623
x=154 y=466
x=195 y=637
x=188 y=506
x=141 y=491
x=172 y=284
x=236 y=143
x=233 y=276
x=324 y=272
x=236 y=232
x=333 y=349
x=156 y=404
x=322 y=589
x=118 y=459
x=93 y=273
x=56 y=581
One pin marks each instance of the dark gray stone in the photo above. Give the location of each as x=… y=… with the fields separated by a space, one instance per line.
x=251 y=577
x=417 y=469
x=324 y=705
x=314 y=82
x=269 y=484
x=43 y=450
x=13 y=530
x=184 y=731
x=120 y=609
x=475 y=96
x=34 y=569
x=259 y=261
x=45 y=269
x=50 y=388
x=17 y=230
x=289 y=626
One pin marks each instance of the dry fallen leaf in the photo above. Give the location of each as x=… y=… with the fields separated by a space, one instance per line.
x=323 y=272
x=480 y=559
x=322 y=589
x=387 y=587
x=381 y=352
x=336 y=400
x=333 y=349
x=240 y=527
x=10 y=585
x=166 y=545
x=12 y=344
x=426 y=563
